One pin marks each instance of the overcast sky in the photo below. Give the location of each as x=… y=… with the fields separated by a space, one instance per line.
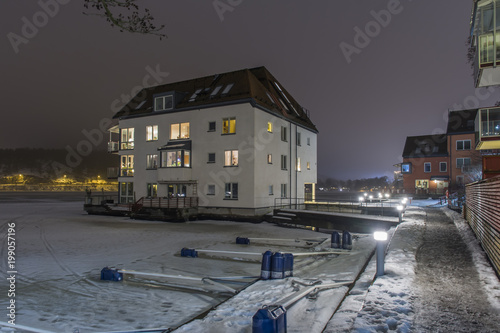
x=365 y=93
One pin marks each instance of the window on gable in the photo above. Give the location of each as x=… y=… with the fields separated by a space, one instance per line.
x=152 y=133
x=443 y=166
x=269 y=159
x=211 y=190
x=152 y=161
x=283 y=162
x=231 y=191
x=299 y=141
x=406 y=168
x=152 y=190
x=127 y=165
x=269 y=127
x=271 y=190
x=127 y=138
x=164 y=103
x=284 y=133
x=231 y=158
x=229 y=126
x=463 y=144
x=211 y=158
x=284 y=191
x=211 y=126
x=179 y=131
x=463 y=162
x=427 y=167
x=308 y=165
x=308 y=141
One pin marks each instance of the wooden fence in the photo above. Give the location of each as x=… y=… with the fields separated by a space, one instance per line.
x=482 y=211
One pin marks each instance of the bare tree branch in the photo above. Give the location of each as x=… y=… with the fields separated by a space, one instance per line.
x=126 y=15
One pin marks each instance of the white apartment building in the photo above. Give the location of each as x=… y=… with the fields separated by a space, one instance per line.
x=228 y=144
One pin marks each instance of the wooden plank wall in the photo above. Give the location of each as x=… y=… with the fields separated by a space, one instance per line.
x=482 y=211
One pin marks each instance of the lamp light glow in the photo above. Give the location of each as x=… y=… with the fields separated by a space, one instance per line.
x=380 y=236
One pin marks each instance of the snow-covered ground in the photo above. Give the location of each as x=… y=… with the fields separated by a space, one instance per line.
x=61 y=250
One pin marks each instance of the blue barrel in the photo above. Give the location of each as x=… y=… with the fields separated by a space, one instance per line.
x=288 y=264
x=346 y=240
x=265 y=271
x=111 y=274
x=335 y=240
x=271 y=319
x=185 y=252
x=242 y=240
x=277 y=266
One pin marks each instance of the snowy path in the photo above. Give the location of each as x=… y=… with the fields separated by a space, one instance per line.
x=450 y=296
x=437 y=280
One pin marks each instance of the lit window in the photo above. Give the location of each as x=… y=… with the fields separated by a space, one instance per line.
x=164 y=103
x=269 y=159
x=152 y=133
x=270 y=127
x=231 y=191
x=443 y=166
x=271 y=190
x=211 y=190
x=152 y=190
x=176 y=159
x=152 y=161
x=406 y=168
x=283 y=162
x=463 y=144
x=298 y=164
x=427 y=167
x=284 y=192
x=211 y=158
x=211 y=126
x=127 y=138
x=299 y=141
x=228 y=125
x=308 y=166
x=231 y=158
x=284 y=134
x=179 y=131
x=127 y=165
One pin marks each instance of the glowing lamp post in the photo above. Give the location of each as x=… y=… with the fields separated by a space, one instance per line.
x=361 y=199
x=400 y=211
x=381 y=238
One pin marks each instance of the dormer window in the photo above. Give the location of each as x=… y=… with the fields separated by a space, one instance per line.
x=163 y=103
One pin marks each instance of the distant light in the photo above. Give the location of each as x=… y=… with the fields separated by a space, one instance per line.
x=361 y=198
x=380 y=236
x=371 y=197
x=365 y=194
x=404 y=200
x=387 y=195
x=399 y=208
x=380 y=195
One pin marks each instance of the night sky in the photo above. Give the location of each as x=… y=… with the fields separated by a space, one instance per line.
x=71 y=73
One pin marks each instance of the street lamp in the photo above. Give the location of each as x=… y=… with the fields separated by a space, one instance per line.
x=361 y=199
x=371 y=198
x=381 y=238
x=400 y=211
x=387 y=195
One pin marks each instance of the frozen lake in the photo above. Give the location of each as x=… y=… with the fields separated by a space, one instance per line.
x=61 y=250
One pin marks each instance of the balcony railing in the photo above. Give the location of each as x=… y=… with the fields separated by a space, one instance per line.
x=168 y=203
x=127 y=172
x=113 y=147
x=113 y=172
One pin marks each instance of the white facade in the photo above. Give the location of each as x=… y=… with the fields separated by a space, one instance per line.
x=254 y=154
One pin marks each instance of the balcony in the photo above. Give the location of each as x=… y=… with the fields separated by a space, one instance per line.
x=485 y=35
x=113 y=172
x=113 y=146
x=488 y=129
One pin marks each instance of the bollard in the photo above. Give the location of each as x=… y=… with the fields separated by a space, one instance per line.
x=277 y=266
x=346 y=240
x=288 y=264
x=265 y=271
x=110 y=274
x=242 y=240
x=335 y=240
x=270 y=319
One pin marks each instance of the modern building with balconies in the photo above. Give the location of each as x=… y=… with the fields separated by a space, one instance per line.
x=226 y=144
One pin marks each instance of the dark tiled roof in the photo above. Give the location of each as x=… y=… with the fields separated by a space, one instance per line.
x=426 y=146
x=460 y=122
x=256 y=85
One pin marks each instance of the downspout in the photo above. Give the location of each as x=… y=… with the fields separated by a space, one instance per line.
x=290 y=172
x=494 y=33
x=296 y=166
